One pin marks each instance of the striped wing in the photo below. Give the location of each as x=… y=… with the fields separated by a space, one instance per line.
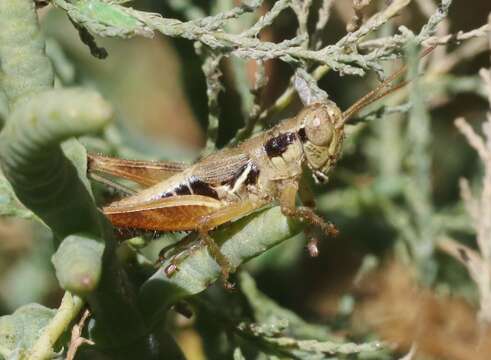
x=222 y=167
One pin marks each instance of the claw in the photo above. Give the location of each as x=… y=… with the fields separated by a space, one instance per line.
x=170 y=270
x=214 y=251
x=230 y=286
x=312 y=247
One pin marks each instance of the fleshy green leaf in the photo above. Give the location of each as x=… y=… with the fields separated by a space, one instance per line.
x=19 y=331
x=9 y=205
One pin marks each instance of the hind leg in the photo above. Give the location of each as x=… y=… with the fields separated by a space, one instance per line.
x=208 y=222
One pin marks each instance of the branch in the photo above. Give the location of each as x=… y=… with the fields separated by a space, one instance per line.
x=374 y=23
x=268 y=18
x=418 y=189
x=322 y=18
x=211 y=70
x=430 y=41
x=112 y=20
x=479 y=265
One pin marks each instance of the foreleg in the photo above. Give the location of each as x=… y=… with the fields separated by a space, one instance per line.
x=287 y=195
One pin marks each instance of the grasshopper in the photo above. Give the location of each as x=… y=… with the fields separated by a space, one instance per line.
x=234 y=182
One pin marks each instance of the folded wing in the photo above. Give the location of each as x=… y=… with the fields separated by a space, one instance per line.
x=144 y=173
x=180 y=213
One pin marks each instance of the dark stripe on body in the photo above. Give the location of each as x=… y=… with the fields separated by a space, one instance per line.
x=182 y=189
x=302 y=135
x=251 y=178
x=167 y=194
x=277 y=145
x=199 y=187
x=196 y=187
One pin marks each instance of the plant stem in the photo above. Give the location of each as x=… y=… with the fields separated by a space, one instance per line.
x=66 y=313
x=25 y=67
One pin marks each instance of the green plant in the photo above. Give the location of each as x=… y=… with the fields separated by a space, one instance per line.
x=45 y=167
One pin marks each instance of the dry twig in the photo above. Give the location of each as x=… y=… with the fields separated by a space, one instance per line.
x=77 y=340
x=358 y=7
x=479 y=208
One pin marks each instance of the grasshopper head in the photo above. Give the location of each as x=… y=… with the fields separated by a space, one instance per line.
x=322 y=129
x=322 y=124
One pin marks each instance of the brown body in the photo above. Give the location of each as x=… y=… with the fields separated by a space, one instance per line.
x=230 y=183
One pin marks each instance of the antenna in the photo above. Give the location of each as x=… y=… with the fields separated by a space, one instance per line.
x=381 y=90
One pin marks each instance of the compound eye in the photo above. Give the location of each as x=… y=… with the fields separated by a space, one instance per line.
x=318 y=128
